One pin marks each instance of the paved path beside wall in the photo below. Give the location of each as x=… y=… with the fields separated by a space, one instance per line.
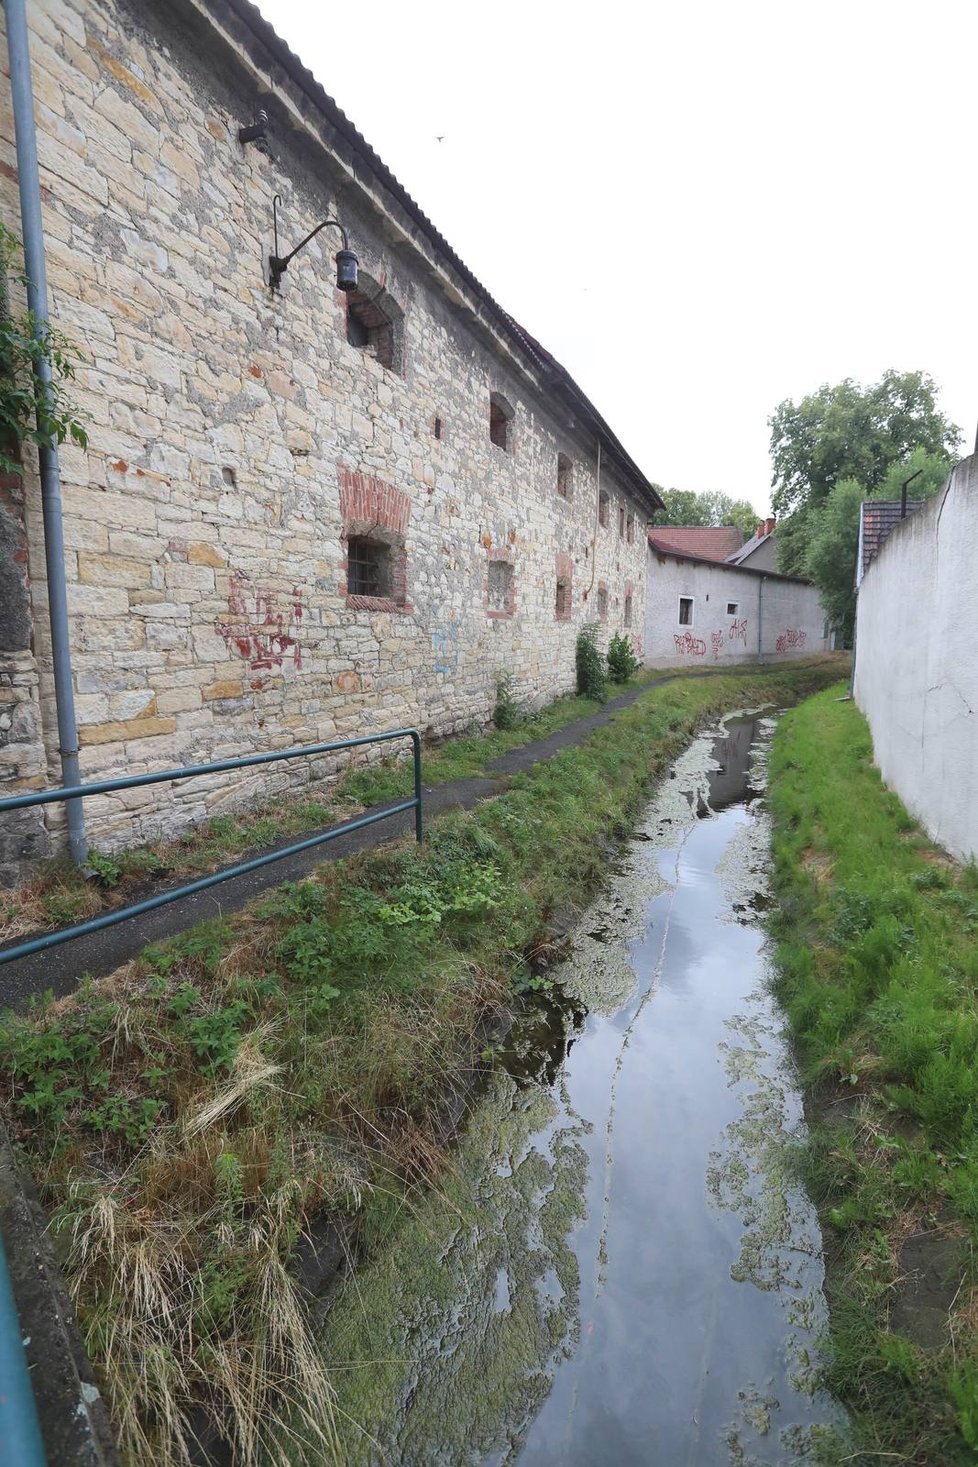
x=99 y=953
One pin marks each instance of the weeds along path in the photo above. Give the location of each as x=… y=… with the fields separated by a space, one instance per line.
x=61 y=969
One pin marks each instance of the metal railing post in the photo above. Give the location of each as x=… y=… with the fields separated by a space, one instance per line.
x=20 y=1433
x=418 y=819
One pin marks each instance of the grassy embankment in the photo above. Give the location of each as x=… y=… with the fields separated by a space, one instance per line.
x=59 y=894
x=877 y=953
x=188 y=1118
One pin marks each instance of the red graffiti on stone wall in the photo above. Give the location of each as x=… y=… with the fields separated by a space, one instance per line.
x=737 y=631
x=260 y=628
x=689 y=646
x=790 y=638
x=716 y=641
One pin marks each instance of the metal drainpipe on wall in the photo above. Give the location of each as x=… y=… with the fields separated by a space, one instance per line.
x=37 y=299
x=760 y=618
x=597 y=524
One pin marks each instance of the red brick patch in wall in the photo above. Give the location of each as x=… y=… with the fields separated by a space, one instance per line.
x=375 y=514
x=563 y=602
x=262 y=625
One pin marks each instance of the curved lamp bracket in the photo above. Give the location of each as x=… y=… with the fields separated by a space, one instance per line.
x=347 y=265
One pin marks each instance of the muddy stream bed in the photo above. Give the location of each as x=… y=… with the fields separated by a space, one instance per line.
x=619 y=1268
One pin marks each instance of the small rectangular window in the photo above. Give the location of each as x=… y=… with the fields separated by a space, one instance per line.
x=621 y=519
x=630 y=529
x=367 y=567
x=563 y=476
x=604 y=509
x=733 y=607
x=628 y=611
x=602 y=603
x=685 y=611
x=562 y=605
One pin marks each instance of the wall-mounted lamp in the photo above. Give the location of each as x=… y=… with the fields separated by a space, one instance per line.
x=256 y=130
x=347 y=264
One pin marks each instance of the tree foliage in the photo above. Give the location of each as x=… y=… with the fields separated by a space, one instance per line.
x=833 y=530
x=853 y=432
x=684 y=507
x=31 y=412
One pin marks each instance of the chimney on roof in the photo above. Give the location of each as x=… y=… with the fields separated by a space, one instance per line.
x=769 y=525
x=760 y=530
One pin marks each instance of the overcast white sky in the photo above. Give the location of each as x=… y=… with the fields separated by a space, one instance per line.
x=700 y=209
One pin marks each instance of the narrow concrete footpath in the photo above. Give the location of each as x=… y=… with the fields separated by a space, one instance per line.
x=62 y=968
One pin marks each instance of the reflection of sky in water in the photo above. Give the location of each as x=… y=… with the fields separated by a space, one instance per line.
x=627 y=1277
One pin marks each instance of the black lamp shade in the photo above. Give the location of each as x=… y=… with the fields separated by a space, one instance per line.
x=347 y=270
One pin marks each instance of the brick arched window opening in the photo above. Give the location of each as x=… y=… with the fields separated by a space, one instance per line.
x=500 y=422
x=565 y=471
x=628 y=609
x=375 y=523
x=562 y=603
x=604 y=508
x=374 y=322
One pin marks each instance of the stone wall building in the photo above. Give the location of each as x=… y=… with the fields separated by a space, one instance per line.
x=703 y=608
x=302 y=514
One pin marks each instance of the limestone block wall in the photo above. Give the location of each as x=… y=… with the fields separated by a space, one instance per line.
x=736 y=615
x=238 y=440
x=916 y=676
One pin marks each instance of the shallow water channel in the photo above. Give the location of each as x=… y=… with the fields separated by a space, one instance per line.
x=620 y=1269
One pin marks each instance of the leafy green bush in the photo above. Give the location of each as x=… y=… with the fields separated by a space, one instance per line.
x=591 y=682
x=506 y=713
x=622 y=662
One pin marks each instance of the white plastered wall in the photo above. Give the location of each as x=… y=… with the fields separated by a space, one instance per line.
x=917 y=666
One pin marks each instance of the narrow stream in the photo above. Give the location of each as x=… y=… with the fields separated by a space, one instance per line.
x=621 y=1269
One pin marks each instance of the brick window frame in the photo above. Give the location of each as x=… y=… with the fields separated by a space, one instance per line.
x=565 y=477
x=602 y=601
x=564 y=594
x=377 y=512
x=604 y=508
x=501 y=556
x=375 y=323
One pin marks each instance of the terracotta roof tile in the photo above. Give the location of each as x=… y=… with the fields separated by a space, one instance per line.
x=709 y=542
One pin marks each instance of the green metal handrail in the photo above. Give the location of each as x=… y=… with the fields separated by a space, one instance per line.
x=135 y=781
x=20 y=1433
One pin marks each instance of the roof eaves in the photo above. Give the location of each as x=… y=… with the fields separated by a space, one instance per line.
x=743 y=570
x=541 y=360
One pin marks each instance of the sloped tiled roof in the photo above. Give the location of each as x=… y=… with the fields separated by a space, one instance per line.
x=707 y=542
x=877 y=518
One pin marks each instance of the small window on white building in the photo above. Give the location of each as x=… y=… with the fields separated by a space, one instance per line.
x=685 y=611
x=733 y=607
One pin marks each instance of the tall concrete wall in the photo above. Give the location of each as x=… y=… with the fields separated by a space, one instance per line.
x=916 y=664
x=775 y=617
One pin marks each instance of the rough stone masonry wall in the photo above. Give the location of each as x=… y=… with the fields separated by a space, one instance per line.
x=236 y=435
x=916 y=674
x=785 y=619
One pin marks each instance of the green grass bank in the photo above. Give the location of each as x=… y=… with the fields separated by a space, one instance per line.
x=193 y=1119
x=876 y=935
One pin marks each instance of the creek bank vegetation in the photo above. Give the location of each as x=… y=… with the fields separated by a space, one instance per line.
x=59 y=894
x=877 y=960
x=193 y=1119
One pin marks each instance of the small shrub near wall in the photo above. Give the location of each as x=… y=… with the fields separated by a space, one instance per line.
x=622 y=662
x=591 y=682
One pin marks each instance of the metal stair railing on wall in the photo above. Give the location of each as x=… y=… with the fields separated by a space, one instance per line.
x=129 y=782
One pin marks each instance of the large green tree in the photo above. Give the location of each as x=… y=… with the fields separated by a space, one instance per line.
x=833 y=537
x=848 y=432
x=684 y=507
